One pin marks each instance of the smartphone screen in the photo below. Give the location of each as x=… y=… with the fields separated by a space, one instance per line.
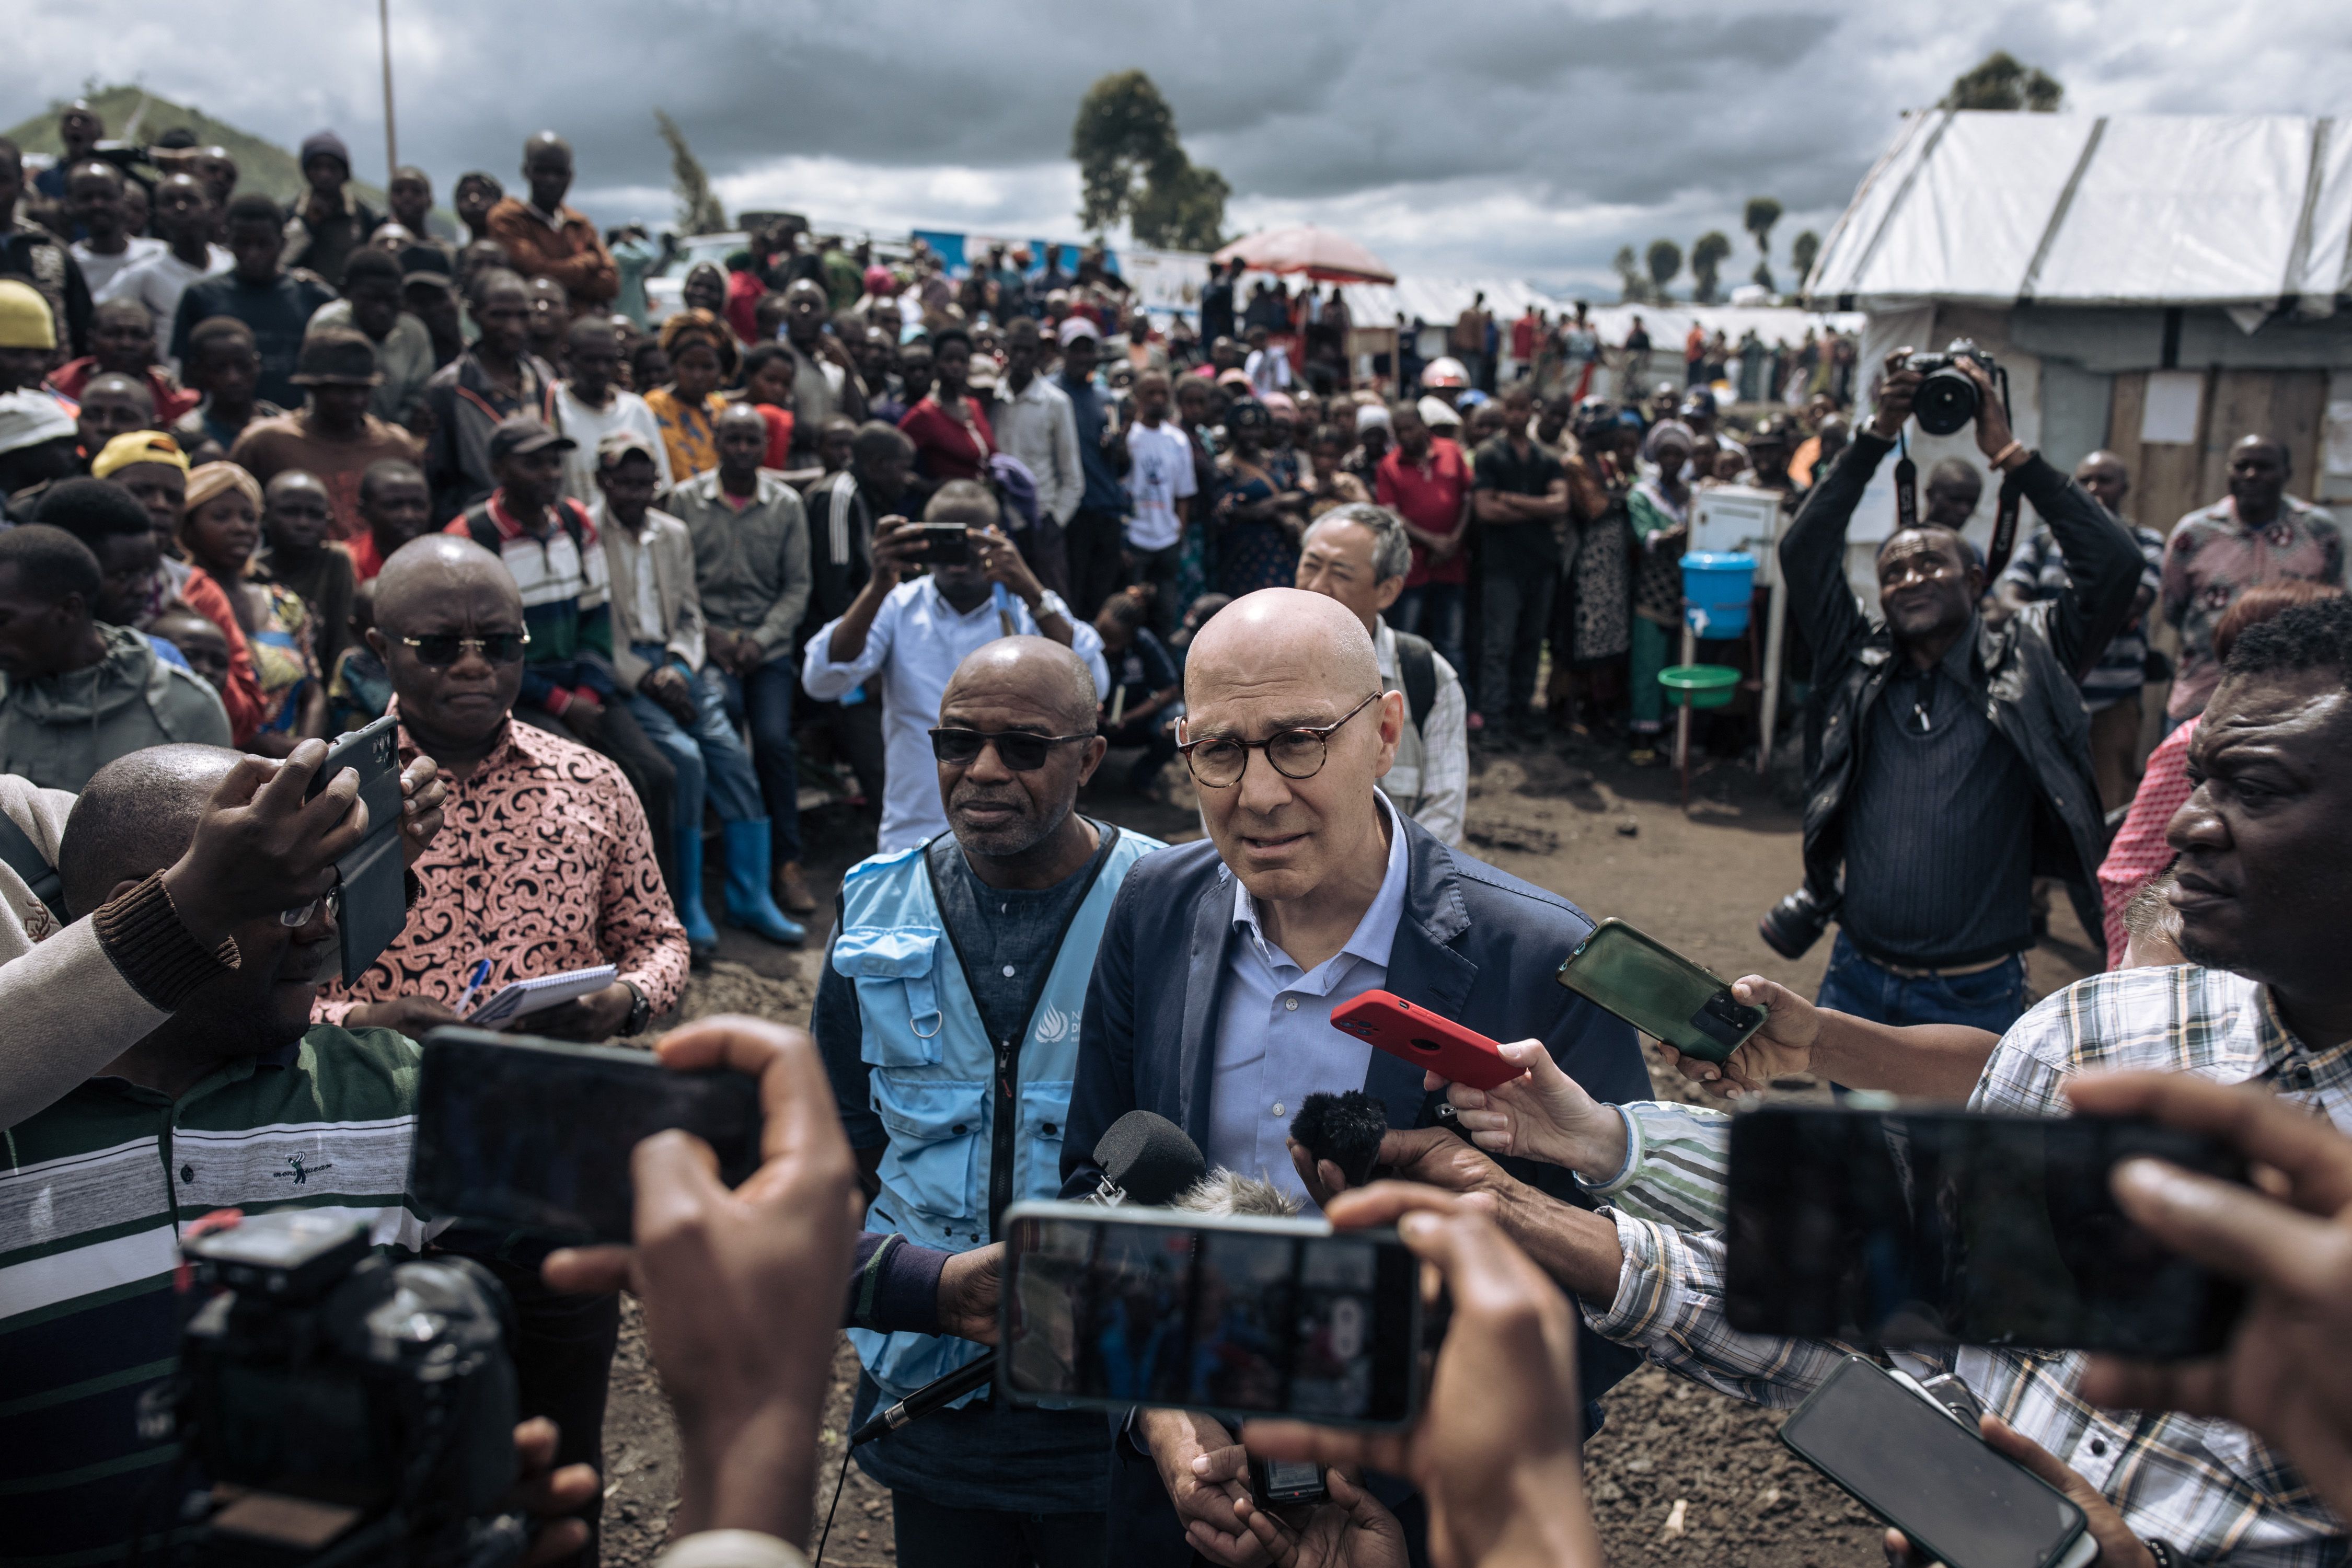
x=1244 y=1317
x=537 y=1134
x=1660 y=992
x=1901 y=1228
x=1961 y=1503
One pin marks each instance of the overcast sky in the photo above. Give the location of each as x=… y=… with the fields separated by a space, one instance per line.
x=1500 y=138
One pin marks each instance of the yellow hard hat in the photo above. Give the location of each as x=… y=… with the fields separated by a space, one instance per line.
x=25 y=318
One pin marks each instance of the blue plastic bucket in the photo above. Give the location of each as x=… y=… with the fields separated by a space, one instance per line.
x=1716 y=591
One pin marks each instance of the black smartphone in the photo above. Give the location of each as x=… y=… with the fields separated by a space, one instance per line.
x=1660 y=992
x=1910 y=1461
x=1894 y=1227
x=372 y=876
x=945 y=544
x=1287 y=1483
x=1109 y=1307
x=536 y=1134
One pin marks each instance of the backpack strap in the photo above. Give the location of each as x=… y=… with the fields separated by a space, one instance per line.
x=485 y=533
x=1417 y=674
x=23 y=857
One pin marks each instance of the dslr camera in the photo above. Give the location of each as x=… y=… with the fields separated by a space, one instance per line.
x=1792 y=926
x=1946 y=401
x=344 y=1408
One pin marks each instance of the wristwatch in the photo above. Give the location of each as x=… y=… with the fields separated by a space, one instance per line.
x=641 y=1012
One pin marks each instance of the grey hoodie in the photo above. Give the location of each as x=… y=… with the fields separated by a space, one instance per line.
x=58 y=731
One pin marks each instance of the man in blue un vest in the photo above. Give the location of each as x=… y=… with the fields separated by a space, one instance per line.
x=948 y=1015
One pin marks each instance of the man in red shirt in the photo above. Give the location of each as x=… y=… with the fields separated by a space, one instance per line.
x=1426 y=480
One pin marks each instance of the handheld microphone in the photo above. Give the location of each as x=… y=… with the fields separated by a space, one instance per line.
x=932 y=1395
x=1146 y=1159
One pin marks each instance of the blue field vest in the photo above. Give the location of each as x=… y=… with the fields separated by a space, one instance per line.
x=932 y=1071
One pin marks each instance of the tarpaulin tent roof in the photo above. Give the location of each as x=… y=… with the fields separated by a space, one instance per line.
x=1305 y=249
x=2145 y=209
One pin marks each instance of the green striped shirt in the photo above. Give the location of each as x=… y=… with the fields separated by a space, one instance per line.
x=92 y=1196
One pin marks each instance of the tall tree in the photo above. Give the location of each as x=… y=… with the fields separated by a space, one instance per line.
x=2002 y=81
x=698 y=210
x=1633 y=288
x=1131 y=165
x=1708 y=253
x=1760 y=214
x=1665 y=259
x=1803 y=251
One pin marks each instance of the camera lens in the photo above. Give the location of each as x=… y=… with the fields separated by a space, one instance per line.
x=1946 y=401
x=1792 y=926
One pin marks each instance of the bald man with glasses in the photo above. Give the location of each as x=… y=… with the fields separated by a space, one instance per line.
x=1223 y=960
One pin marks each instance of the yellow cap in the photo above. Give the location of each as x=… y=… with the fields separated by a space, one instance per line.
x=138 y=447
x=25 y=318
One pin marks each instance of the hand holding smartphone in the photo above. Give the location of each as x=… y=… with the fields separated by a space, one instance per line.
x=373 y=876
x=1660 y=992
x=1424 y=1038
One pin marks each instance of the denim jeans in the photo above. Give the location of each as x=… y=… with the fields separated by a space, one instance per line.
x=766 y=694
x=1989 y=999
x=1517 y=580
x=709 y=758
x=1435 y=611
x=932 y=1535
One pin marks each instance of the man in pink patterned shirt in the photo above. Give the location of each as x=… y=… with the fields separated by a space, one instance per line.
x=2259 y=534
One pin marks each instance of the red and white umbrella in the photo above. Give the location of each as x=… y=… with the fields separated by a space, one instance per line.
x=1317 y=253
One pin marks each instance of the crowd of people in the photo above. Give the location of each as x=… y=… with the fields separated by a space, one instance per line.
x=277 y=471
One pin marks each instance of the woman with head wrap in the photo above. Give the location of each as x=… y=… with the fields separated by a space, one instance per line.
x=1260 y=512
x=220 y=531
x=1659 y=511
x=701 y=354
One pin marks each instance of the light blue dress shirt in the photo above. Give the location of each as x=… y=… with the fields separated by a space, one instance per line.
x=1275 y=1044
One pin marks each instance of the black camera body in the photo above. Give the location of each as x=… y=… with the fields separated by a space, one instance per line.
x=1792 y=926
x=1946 y=403
x=345 y=1405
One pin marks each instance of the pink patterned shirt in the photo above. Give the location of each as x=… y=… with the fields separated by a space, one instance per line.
x=543 y=864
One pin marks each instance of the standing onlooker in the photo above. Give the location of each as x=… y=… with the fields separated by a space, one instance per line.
x=1097 y=535
x=41 y=258
x=843 y=510
x=1146 y=688
x=225 y=367
x=1268 y=364
x=493 y=381
x=949 y=427
x=1426 y=480
x=589 y=404
x=372 y=293
x=1658 y=510
x=1217 y=301
x=1159 y=482
x=397 y=505
x=1522 y=505
x=332 y=435
x=182 y=214
x=1259 y=510
x=661 y=644
x=751 y=570
x=277 y=305
x=2259 y=533
x=94 y=197
x=2111 y=687
x=1467 y=341
x=1033 y=423
x=410 y=198
x=471 y=199
x=825 y=380
x=329 y=223
x=544 y=239
x=122 y=342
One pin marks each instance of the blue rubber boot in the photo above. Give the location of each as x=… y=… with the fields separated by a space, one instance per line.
x=749 y=904
x=701 y=936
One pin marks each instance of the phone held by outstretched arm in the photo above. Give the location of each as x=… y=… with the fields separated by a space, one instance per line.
x=1660 y=992
x=372 y=879
x=1909 y=1460
x=1240 y=1317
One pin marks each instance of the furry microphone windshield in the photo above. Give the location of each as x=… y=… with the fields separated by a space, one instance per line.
x=1345 y=1129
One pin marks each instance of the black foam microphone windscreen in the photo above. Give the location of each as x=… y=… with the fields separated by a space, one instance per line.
x=1345 y=1129
x=1148 y=1158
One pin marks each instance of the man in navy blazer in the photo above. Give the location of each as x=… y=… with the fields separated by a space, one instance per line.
x=1216 y=975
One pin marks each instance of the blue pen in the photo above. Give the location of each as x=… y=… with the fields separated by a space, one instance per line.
x=473 y=983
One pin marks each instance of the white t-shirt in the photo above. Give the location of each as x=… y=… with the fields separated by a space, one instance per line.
x=157 y=281
x=99 y=269
x=586 y=425
x=1159 y=476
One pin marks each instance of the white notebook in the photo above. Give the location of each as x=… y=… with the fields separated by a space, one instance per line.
x=525 y=997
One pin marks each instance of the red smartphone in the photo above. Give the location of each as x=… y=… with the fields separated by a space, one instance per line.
x=1424 y=1039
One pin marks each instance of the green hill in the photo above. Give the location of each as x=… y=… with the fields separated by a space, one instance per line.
x=261 y=165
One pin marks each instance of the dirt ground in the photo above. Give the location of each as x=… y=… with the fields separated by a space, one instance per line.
x=1678 y=1475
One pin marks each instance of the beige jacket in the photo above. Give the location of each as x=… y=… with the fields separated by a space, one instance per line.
x=667 y=549
x=65 y=1010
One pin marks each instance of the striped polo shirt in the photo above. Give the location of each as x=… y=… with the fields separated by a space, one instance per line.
x=93 y=1193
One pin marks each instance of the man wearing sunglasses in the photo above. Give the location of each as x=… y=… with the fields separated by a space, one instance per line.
x=948 y=1014
x=1219 y=969
x=915 y=634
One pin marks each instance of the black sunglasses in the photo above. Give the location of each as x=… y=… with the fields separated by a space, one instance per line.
x=1016 y=749
x=441 y=649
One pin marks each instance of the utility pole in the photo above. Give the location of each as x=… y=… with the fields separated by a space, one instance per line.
x=390 y=140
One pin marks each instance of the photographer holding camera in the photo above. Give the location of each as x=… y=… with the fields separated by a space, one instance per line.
x=1955 y=757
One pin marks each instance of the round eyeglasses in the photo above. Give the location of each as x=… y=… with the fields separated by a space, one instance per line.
x=1218 y=761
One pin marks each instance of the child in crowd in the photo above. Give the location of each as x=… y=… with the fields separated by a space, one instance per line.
x=201 y=646
x=1145 y=687
x=361 y=687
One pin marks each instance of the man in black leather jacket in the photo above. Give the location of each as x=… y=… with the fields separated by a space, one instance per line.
x=1955 y=757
